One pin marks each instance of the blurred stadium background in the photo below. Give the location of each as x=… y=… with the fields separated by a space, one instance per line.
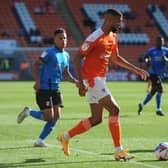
x=26 y=28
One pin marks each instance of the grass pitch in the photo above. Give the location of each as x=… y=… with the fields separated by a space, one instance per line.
x=140 y=134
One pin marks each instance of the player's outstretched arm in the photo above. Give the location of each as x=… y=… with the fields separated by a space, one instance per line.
x=117 y=59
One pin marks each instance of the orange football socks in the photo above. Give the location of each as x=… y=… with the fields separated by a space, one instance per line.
x=80 y=128
x=115 y=129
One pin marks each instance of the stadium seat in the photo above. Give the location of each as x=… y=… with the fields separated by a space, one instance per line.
x=158 y=15
x=24 y=16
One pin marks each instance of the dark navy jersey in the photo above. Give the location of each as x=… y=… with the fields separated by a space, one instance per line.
x=55 y=62
x=158 y=63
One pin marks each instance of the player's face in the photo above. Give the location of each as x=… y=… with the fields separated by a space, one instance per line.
x=60 y=41
x=115 y=23
x=159 y=42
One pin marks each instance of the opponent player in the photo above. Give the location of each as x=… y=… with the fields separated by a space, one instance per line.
x=96 y=51
x=157 y=56
x=47 y=72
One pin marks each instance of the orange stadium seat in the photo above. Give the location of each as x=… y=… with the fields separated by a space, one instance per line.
x=142 y=20
x=47 y=23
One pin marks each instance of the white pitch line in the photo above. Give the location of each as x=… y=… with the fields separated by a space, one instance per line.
x=106 y=156
x=102 y=156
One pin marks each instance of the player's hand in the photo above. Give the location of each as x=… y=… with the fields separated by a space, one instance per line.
x=77 y=83
x=144 y=74
x=82 y=89
x=82 y=92
x=36 y=86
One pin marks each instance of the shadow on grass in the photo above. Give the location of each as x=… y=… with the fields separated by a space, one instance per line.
x=154 y=160
x=133 y=151
x=40 y=163
x=27 y=162
x=142 y=151
x=138 y=151
x=72 y=118
x=16 y=148
x=105 y=117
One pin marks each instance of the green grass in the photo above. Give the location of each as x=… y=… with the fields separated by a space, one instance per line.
x=140 y=134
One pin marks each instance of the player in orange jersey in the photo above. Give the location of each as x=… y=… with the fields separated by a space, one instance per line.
x=96 y=51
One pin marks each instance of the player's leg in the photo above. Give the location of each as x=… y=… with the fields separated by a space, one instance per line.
x=27 y=111
x=158 y=104
x=23 y=114
x=45 y=102
x=83 y=126
x=86 y=124
x=41 y=98
x=149 y=96
x=147 y=99
x=51 y=115
x=51 y=123
x=110 y=104
x=48 y=127
x=114 y=123
x=159 y=99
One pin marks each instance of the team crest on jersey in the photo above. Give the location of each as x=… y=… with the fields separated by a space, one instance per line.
x=47 y=103
x=85 y=46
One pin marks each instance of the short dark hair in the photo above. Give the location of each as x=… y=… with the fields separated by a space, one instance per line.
x=114 y=12
x=59 y=30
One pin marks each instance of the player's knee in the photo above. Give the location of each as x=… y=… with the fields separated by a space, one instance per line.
x=48 y=117
x=116 y=109
x=154 y=90
x=57 y=113
x=160 y=91
x=56 y=118
x=95 y=121
x=98 y=121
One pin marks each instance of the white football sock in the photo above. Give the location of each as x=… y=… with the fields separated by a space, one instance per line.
x=118 y=149
x=66 y=136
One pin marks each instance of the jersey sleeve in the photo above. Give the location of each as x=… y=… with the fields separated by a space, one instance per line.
x=148 y=53
x=90 y=42
x=44 y=56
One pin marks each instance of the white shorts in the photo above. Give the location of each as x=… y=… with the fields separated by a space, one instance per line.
x=96 y=93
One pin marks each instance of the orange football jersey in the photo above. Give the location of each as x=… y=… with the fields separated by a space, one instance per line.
x=97 y=49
